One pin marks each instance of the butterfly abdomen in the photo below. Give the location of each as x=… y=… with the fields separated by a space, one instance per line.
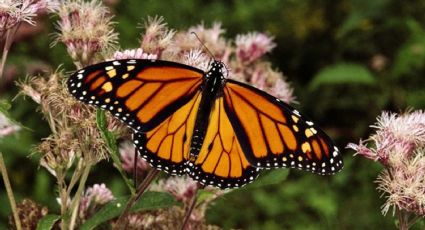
x=210 y=89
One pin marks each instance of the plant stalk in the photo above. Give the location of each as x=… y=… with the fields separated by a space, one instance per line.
x=140 y=190
x=10 y=193
x=10 y=34
x=76 y=201
x=190 y=210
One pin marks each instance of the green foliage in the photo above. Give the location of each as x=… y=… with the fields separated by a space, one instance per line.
x=269 y=178
x=343 y=73
x=149 y=201
x=47 y=222
x=4 y=106
x=411 y=55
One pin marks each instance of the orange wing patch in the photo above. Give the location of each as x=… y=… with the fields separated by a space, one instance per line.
x=220 y=160
x=263 y=122
x=167 y=146
x=167 y=74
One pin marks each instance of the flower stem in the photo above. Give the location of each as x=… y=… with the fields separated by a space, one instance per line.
x=76 y=201
x=63 y=196
x=140 y=190
x=403 y=219
x=190 y=209
x=10 y=193
x=10 y=34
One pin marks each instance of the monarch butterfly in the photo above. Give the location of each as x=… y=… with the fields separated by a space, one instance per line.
x=219 y=131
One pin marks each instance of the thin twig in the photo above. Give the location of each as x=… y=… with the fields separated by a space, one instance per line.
x=10 y=193
x=62 y=194
x=74 y=179
x=136 y=155
x=140 y=190
x=191 y=207
x=189 y=211
x=10 y=34
x=76 y=201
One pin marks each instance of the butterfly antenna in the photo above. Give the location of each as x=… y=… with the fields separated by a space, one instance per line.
x=206 y=48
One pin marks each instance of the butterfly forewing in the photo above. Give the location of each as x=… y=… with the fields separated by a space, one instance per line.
x=272 y=134
x=142 y=93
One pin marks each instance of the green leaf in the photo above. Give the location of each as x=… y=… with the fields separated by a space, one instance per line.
x=112 y=146
x=204 y=194
x=4 y=106
x=271 y=177
x=361 y=15
x=149 y=201
x=101 y=120
x=343 y=73
x=411 y=55
x=47 y=222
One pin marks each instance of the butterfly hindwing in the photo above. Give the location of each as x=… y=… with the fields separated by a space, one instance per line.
x=220 y=161
x=140 y=92
x=166 y=147
x=273 y=135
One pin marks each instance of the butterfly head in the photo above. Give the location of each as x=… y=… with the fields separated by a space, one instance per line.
x=218 y=69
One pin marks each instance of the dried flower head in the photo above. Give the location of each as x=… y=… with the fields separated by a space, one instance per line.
x=75 y=134
x=86 y=29
x=7 y=127
x=29 y=213
x=59 y=152
x=94 y=198
x=156 y=37
x=399 y=145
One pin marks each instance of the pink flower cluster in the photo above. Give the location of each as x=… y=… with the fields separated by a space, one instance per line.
x=13 y=12
x=127 y=155
x=93 y=198
x=182 y=188
x=250 y=47
x=243 y=56
x=86 y=29
x=399 y=145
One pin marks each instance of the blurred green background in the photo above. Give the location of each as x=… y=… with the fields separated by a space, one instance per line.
x=347 y=60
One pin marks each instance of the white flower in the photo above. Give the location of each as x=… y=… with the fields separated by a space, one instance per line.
x=133 y=54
